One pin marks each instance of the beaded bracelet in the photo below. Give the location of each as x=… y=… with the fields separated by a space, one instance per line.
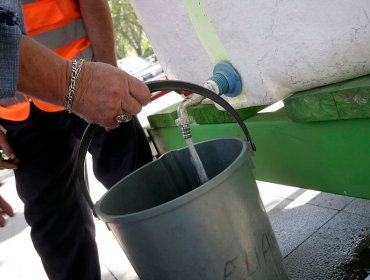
x=76 y=69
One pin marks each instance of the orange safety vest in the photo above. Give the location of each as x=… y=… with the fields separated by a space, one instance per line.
x=58 y=25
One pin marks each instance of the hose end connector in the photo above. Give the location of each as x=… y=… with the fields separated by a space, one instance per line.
x=225 y=80
x=184 y=123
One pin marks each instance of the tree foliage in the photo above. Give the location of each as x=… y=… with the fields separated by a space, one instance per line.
x=129 y=34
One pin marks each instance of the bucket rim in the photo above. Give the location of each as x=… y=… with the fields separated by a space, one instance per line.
x=180 y=200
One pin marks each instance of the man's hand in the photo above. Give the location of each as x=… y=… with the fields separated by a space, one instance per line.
x=5 y=210
x=104 y=91
x=8 y=160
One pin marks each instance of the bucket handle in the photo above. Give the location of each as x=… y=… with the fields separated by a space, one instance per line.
x=153 y=86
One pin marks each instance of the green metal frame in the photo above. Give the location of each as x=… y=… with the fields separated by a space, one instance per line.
x=330 y=156
x=340 y=101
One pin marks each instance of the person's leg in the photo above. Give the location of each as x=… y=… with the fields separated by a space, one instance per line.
x=62 y=228
x=118 y=152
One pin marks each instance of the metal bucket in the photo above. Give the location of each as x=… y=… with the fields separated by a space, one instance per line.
x=173 y=228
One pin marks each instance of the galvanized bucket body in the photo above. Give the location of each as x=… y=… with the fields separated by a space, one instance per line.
x=173 y=228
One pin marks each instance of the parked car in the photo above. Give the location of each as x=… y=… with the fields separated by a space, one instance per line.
x=140 y=67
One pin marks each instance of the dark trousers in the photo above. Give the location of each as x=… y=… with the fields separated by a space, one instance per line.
x=62 y=228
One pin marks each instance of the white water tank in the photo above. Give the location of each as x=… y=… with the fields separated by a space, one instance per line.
x=279 y=47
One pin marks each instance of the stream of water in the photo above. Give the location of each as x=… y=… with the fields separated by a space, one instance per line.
x=196 y=161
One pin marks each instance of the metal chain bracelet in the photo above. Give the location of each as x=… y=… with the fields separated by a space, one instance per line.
x=76 y=69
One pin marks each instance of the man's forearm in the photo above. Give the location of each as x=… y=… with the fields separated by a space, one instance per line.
x=42 y=73
x=99 y=27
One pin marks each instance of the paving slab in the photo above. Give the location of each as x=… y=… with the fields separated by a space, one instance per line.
x=325 y=254
x=359 y=206
x=293 y=222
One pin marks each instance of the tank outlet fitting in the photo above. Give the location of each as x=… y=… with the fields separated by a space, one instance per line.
x=225 y=80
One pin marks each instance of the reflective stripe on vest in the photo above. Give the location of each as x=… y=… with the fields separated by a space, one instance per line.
x=57 y=24
x=45 y=15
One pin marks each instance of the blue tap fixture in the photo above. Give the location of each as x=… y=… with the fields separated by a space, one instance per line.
x=226 y=78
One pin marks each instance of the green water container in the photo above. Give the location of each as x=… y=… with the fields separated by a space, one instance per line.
x=173 y=228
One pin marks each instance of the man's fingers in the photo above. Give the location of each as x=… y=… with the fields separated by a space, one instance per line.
x=111 y=92
x=8 y=164
x=6 y=208
x=4 y=145
x=130 y=106
x=139 y=91
x=8 y=151
x=2 y=221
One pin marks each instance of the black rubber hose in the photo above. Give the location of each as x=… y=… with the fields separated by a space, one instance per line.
x=84 y=146
x=154 y=87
